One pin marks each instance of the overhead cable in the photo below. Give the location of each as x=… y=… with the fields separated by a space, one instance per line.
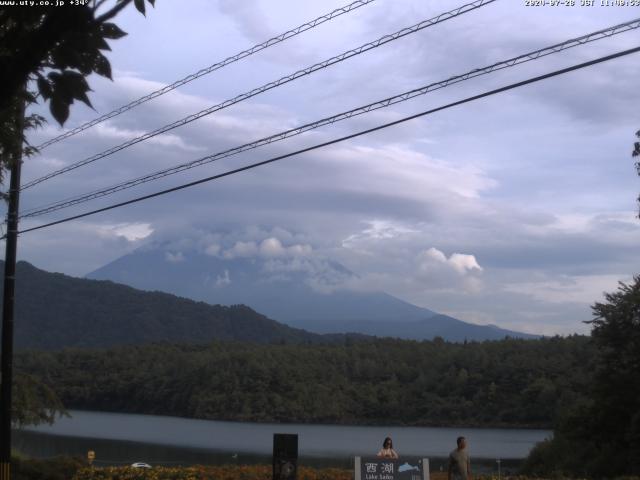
x=341 y=139
x=600 y=34
x=268 y=86
x=211 y=68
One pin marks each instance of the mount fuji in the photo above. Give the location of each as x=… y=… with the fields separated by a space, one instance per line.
x=301 y=291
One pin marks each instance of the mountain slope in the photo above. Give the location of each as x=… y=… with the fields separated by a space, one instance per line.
x=55 y=311
x=449 y=328
x=279 y=291
x=301 y=292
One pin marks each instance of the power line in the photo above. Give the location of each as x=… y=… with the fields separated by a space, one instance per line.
x=268 y=86
x=211 y=68
x=341 y=139
x=605 y=33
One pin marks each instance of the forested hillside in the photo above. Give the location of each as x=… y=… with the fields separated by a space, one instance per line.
x=504 y=383
x=55 y=311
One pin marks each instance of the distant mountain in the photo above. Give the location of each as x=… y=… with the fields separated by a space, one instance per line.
x=438 y=325
x=55 y=311
x=303 y=292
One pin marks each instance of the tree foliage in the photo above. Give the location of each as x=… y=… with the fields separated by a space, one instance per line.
x=57 y=48
x=57 y=468
x=600 y=435
x=53 y=49
x=34 y=402
x=636 y=153
x=89 y=313
x=209 y=472
x=616 y=390
x=523 y=383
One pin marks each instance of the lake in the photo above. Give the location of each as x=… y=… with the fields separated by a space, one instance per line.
x=125 y=438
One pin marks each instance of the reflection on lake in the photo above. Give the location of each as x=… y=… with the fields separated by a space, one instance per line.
x=124 y=438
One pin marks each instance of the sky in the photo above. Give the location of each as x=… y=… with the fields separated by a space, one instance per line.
x=517 y=210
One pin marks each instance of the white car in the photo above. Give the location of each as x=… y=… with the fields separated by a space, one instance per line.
x=140 y=465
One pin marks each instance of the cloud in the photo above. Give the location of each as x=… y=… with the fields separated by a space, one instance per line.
x=248 y=17
x=237 y=240
x=223 y=280
x=109 y=131
x=213 y=250
x=320 y=274
x=436 y=271
x=272 y=247
x=130 y=231
x=463 y=263
x=81 y=247
x=459 y=262
x=46 y=162
x=174 y=257
x=241 y=249
x=377 y=230
x=408 y=172
x=585 y=289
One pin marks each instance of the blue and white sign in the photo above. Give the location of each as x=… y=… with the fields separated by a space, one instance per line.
x=376 y=468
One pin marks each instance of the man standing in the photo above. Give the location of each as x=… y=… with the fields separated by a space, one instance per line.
x=459 y=465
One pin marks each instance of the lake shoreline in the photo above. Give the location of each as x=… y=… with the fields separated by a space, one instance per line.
x=194 y=457
x=501 y=426
x=175 y=438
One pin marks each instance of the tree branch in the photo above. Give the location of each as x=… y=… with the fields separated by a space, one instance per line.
x=98 y=4
x=113 y=12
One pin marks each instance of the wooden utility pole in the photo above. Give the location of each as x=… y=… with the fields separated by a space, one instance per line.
x=8 y=299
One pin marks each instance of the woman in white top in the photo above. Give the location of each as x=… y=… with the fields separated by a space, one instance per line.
x=387 y=450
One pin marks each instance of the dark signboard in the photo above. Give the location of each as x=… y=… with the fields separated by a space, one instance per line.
x=375 y=468
x=285 y=456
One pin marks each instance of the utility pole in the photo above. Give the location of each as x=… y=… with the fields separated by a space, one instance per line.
x=6 y=368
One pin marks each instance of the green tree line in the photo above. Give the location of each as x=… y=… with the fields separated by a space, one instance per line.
x=514 y=383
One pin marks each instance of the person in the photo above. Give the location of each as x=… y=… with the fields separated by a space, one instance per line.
x=459 y=464
x=387 y=450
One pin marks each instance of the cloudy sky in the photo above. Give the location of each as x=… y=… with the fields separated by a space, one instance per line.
x=518 y=209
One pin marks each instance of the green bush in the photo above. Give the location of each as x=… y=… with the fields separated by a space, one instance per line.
x=59 y=468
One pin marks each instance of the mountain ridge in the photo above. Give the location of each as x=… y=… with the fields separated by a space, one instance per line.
x=303 y=293
x=55 y=311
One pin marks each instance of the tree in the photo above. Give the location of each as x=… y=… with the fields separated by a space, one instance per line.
x=600 y=436
x=636 y=153
x=54 y=49
x=616 y=412
x=46 y=52
x=13 y=126
x=34 y=402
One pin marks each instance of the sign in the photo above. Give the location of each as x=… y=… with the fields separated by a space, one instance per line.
x=376 y=468
x=285 y=456
x=91 y=455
